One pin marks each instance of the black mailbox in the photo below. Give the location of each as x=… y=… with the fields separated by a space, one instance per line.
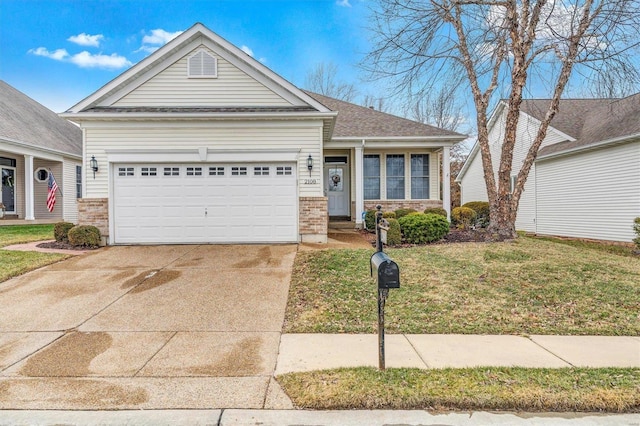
x=387 y=270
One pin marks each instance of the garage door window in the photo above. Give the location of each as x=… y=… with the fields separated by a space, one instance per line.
x=125 y=171
x=261 y=171
x=216 y=171
x=172 y=171
x=194 y=171
x=149 y=171
x=238 y=171
x=284 y=171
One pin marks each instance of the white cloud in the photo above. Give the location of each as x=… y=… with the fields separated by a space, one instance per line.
x=247 y=50
x=159 y=37
x=343 y=3
x=86 y=39
x=84 y=59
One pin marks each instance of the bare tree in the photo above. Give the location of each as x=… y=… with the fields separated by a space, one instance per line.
x=375 y=102
x=322 y=79
x=502 y=47
x=439 y=108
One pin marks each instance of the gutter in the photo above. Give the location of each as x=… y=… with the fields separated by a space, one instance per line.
x=41 y=149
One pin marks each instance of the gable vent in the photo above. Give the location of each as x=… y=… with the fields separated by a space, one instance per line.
x=202 y=65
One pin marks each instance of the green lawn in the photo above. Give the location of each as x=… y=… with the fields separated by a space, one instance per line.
x=519 y=389
x=528 y=286
x=13 y=263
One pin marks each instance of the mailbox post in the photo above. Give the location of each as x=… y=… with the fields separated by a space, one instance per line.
x=387 y=273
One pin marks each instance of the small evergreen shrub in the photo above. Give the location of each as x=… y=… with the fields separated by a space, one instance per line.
x=463 y=217
x=61 y=231
x=423 y=228
x=370 y=220
x=389 y=215
x=84 y=236
x=436 y=210
x=636 y=229
x=394 y=236
x=482 y=212
x=403 y=212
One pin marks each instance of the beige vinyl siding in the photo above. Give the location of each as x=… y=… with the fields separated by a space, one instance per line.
x=305 y=137
x=69 y=182
x=172 y=87
x=41 y=189
x=594 y=194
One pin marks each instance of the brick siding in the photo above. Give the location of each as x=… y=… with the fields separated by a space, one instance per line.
x=313 y=219
x=392 y=205
x=94 y=211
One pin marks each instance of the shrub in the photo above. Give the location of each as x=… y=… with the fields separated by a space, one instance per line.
x=389 y=215
x=61 y=231
x=482 y=212
x=403 y=212
x=394 y=236
x=636 y=229
x=436 y=210
x=423 y=228
x=370 y=220
x=463 y=217
x=84 y=235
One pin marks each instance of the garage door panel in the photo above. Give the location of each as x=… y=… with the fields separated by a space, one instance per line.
x=183 y=208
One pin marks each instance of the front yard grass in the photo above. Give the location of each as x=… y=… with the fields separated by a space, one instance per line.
x=14 y=263
x=528 y=286
x=522 y=389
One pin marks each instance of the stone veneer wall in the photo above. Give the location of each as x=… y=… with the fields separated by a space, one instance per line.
x=313 y=219
x=392 y=205
x=94 y=211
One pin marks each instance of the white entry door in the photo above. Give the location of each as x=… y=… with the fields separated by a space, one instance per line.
x=337 y=189
x=205 y=203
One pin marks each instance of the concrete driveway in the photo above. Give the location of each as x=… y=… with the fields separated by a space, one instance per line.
x=142 y=327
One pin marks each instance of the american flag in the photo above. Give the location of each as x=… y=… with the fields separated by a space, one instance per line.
x=51 y=195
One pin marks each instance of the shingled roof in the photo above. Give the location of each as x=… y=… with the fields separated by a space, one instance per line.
x=358 y=121
x=589 y=121
x=26 y=121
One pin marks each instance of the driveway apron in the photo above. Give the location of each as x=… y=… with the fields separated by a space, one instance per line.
x=143 y=327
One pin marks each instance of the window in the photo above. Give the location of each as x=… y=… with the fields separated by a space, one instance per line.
x=149 y=171
x=261 y=171
x=202 y=65
x=395 y=177
x=419 y=176
x=125 y=171
x=172 y=171
x=78 y=181
x=216 y=171
x=371 y=177
x=238 y=171
x=194 y=171
x=512 y=183
x=4 y=161
x=284 y=171
x=42 y=175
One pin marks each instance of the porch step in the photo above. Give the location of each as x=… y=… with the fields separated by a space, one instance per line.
x=341 y=224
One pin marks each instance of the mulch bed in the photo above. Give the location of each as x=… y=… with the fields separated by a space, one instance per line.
x=454 y=236
x=63 y=246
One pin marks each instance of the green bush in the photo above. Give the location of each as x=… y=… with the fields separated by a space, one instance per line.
x=482 y=212
x=636 y=229
x=423 y=228
x=463 y=217
x=394 y=236
x=370 y=220
x=389 y=215
x=403 y=212
x=84 y=236
x=436 y=210
x=61 y=231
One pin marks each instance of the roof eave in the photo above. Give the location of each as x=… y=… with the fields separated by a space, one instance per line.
x=39 y=148
x=613 y=141
x=111 y=116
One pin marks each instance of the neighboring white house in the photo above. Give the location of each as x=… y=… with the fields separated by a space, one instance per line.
x=585 y=182
x=34 y=142
x=201 y=143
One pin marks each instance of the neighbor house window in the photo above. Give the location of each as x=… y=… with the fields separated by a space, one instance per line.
x=395 y=177
x=512 y=183
x=371 y=177
x=78 y=181
x=419 y=176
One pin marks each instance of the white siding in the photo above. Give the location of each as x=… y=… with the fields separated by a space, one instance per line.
x=594 y=194
x=473 y=187
x=172 y=87
x=69 y=181
x=305 y=136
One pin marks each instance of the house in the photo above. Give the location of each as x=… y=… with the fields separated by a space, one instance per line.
x=35 y=142
x=201 y=143
x=585 y=182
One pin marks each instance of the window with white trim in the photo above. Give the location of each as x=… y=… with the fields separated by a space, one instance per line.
x=419 y=176
x=284 y=171
x=171 y=171
x=371 y=177
x=261 y=171
x=78 y=181
x=395 y=176
x=216 y=171
x=512 y=183
x=238 y=171
x=202 y=65
x=194 y=171
x=149 y=171
x=125 y=171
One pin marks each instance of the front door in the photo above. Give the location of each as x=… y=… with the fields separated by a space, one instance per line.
x=9 y=189
x=337 y=189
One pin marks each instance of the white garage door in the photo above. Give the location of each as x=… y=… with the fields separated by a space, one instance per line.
x=205 y=203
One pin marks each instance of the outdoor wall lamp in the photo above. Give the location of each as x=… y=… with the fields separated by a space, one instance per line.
x=94 y=165
x=310 y=164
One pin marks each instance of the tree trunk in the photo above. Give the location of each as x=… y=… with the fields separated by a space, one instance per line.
x=502 y=225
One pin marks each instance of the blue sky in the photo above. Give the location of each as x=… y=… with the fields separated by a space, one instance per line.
x=60 y=51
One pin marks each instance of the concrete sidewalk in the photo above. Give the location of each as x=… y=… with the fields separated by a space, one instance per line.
x=306 y=352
